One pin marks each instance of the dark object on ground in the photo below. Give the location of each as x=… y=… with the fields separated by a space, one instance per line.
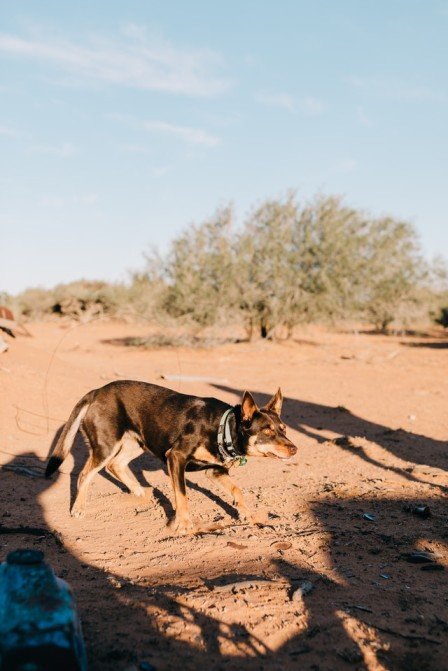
x=9 y=325
x=419 y=510
x=7 y=322
x=305 y=588
x=7 y=331
x=422 y=511
x=124 y=418
x=420 y=557
x=32 y=531
x=23 y=470
x=146 y=666
x=369 y=517
x=359 y=607
x=39 y=626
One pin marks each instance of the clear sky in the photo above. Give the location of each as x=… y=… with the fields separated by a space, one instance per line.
x=123 y=122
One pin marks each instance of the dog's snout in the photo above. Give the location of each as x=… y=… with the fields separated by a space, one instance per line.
x=293 y=450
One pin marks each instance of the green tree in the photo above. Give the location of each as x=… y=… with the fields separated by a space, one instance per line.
x=393 y=270
x=199 y=272
x=329 y=241
x=265 y=272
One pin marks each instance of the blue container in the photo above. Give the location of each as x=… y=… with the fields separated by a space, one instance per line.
x=39 y=626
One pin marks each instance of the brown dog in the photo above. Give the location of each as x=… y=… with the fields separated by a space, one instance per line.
x=123 y=418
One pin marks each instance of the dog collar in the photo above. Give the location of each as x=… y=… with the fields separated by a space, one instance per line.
x=226 y=447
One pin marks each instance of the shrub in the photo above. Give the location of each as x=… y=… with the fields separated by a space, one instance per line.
x=285 y=264
x=392 y=271
x=81 y=300
x=266 y=273
x=199 y=272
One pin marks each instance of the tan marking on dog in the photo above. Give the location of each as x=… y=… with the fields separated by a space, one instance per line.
x=268 y=449
x=87 y=474
x=202 y=454
x=118 y=466
x=252 y=448
x=238 y=500
x=182 y=521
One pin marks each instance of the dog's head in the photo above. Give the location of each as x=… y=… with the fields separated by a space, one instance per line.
x=262 y=429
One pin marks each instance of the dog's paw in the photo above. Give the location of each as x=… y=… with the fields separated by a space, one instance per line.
x=245 y=516
x=138 y=491
x=77 y=512
x=182 y=525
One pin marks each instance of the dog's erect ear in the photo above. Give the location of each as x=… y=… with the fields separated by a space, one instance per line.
x=248 y=407
x=276 y=402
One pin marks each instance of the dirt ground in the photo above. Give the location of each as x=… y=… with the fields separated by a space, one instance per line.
x=369 y=416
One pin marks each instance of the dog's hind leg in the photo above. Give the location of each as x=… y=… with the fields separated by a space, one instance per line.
x=221 y=476
x=91 y=468
x=118 y=466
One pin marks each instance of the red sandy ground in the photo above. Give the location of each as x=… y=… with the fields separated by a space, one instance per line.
x=223 y=600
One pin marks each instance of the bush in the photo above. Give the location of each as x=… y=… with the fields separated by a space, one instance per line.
x=34 y=303
x=287 y=263
x=393 y=271
x=324 y=261
x=199 y=272
x=81 y=300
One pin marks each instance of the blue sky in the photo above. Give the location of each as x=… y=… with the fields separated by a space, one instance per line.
x=123 y=122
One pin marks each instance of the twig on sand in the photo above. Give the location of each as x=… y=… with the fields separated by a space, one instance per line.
x=23 y=470
x=308 y=532
x=359 y=607
x=32 y=531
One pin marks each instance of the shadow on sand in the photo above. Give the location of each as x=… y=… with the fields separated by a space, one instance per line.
x=311 y=418
x=405 y=630
x=428 y=345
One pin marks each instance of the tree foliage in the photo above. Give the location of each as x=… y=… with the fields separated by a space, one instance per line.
x=286 y=263
x=290 y=263
x=265 y=268
x=199 y=271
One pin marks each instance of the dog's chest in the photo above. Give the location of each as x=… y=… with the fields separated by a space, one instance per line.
x=203 y=457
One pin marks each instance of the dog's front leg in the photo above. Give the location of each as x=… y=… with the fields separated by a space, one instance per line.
x=182 y=521
x=221 y=476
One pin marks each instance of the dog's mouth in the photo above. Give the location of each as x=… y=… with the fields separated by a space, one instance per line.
x=278 y=456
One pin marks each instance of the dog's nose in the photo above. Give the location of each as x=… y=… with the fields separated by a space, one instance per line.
x=293 y=450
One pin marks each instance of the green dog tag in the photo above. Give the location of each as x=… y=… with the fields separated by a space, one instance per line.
x=243 y=461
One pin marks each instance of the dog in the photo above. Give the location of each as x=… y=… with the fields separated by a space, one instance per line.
x=124 y=418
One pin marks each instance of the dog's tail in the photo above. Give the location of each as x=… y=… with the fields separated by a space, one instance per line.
x=65 y=441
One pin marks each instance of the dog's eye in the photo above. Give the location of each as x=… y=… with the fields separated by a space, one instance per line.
x=283 y=428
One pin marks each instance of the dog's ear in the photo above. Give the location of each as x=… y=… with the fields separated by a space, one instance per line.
x=276 y=402
x=248 y=407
